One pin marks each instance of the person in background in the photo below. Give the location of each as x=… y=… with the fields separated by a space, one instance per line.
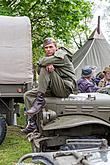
x=93 y=76
x=98 y=78
x=104 y=83
x=106 y=79
x=56 y=78
x=85 y=83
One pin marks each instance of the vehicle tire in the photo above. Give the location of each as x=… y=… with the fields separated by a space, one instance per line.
x=3 y=129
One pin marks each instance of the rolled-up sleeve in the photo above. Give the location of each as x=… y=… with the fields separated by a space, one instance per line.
x=58 y=59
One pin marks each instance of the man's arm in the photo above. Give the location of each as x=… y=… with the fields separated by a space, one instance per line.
x=56 y=61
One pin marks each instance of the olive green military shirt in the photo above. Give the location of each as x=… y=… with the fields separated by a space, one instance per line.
x=61 y=60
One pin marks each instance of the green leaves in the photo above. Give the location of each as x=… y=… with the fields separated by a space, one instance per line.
x=58 y=18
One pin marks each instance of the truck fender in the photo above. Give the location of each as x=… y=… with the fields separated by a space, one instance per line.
x=36 y=157
x=69 y=121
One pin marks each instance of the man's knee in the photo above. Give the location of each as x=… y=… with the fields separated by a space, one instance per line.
x=26 y=94
x=43 y=70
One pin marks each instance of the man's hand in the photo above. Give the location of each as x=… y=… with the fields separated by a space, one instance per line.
x=50 y=68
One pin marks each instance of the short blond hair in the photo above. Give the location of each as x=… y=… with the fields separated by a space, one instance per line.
x=106 y=69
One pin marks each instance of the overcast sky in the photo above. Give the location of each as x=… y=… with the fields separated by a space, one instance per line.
x=98 y=10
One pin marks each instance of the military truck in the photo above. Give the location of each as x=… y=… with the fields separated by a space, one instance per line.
x=82 y=115
x=16 y=73
x=85 y=115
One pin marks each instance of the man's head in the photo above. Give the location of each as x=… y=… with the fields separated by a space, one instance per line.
x=107 y=73
x=50 y=46
x=87 y=72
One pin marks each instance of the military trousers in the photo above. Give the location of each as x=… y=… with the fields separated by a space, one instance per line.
x=51 y=84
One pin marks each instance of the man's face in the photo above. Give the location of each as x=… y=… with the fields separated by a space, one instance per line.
x=50 y=49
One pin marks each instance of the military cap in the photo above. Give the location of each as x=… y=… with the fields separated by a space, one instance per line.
x=87 y=71
x=48 y=40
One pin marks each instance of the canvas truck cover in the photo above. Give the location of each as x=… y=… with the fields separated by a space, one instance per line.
x=15 y=50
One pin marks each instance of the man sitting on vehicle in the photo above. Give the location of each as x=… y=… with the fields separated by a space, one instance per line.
x=85 y=83
x=56 y=78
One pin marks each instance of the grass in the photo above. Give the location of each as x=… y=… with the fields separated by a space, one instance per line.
x=15 y=144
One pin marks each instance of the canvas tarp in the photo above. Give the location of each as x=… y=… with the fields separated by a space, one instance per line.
x=95 y=52
x=15 y=50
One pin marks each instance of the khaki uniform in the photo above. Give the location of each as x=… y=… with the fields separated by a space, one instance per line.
x=59 y=83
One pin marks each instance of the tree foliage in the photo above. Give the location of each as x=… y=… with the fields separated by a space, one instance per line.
x=63 y=19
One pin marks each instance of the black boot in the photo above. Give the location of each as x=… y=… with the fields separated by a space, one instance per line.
x=31 y=126
x=37 y=105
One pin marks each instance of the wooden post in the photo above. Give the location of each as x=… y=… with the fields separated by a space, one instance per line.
x=98 y=25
